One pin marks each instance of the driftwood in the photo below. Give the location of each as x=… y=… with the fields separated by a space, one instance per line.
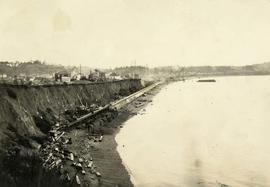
x=48 y=158
x=78 y=180
x=57 y=138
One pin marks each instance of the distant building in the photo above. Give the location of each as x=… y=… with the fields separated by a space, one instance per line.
x=76 y=77
x=127 y=76
x=62 y=76
x=113 y=76
x=97 y=75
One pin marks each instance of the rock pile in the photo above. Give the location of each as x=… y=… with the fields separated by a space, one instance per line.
x=57 y=154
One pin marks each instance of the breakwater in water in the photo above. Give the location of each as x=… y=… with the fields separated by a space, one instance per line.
x=27 y=114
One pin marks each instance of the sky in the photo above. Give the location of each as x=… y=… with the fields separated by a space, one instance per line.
x=110 y=33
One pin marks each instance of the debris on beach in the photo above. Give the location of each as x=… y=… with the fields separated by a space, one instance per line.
x=67 y=152
x=57 y=152
x=78 y=180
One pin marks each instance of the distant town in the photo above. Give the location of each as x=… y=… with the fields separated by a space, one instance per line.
x=37 y=73
x=40 y=73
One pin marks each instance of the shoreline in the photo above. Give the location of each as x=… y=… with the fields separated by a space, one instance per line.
x=107 y=168
x=117 y=164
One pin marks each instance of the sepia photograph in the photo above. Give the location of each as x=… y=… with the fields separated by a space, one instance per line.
x=134 y=93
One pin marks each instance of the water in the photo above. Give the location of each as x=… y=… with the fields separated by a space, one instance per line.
x=202 y=134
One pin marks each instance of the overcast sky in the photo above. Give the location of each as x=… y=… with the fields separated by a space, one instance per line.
x=108 y=33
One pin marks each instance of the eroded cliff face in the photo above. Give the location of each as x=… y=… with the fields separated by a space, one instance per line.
x=27 y=113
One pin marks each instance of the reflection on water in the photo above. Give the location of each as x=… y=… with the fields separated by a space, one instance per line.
x=202 y=134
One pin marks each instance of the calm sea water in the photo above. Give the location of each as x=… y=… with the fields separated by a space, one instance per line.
x=201 y=134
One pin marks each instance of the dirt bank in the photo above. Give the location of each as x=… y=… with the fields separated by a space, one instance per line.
x=28 y=113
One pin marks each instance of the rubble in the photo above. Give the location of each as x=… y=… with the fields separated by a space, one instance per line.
x=71 y=157
x=100 y=138
x=76 y=112
x=78 y=180
x=52 y=109
x=68 y=177
x=80 y=160
x=56 y=152
x=98 y=174
x=90 y=165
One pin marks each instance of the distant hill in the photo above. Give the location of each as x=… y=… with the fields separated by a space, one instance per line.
x=32 y=68
x=38 y=68
x=255 y=69
x=179 y=72
x=262 y=67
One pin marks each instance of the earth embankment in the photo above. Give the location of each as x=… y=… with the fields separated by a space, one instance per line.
x=28 y=113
